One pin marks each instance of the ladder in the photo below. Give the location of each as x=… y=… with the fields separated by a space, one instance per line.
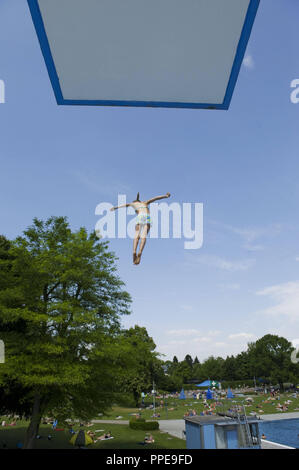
x=244 y=427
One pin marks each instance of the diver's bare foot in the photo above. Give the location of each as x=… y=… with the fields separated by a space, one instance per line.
x=134 y=258
x=138 y=258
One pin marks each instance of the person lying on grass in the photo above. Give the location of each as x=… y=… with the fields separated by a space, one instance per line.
x=107 y=435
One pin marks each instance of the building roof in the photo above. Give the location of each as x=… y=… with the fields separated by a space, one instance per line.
x=216 y=420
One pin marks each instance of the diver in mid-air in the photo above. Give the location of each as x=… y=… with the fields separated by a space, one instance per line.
x=143 y=224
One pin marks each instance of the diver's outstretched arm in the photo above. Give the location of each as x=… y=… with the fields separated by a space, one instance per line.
x=157 y=198
x=119 y=207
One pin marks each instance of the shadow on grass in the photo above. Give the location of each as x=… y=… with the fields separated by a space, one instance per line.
x=124 y=438
x=10 y=437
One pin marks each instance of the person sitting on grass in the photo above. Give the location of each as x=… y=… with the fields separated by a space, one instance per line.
x=71 y=431
x=149 y=439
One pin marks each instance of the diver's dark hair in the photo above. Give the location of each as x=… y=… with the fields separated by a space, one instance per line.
x=137 y=198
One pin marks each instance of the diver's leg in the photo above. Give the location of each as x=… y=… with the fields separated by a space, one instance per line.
x=144 y=233
x=135 y=243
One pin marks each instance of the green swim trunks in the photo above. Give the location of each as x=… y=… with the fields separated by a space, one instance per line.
x=143 y=219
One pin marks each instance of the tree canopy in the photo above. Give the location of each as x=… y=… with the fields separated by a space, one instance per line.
x=267 y=359
x=60 y=306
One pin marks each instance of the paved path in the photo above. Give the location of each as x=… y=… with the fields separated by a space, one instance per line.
x=175 y=427
x=109 y=421
x=276 y=416
x=274 y=445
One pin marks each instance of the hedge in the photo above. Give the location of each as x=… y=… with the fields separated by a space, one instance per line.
x=142 y=425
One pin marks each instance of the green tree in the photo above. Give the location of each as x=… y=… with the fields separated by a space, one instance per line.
x=13 y=395
x=62 y=287
x=197 y=372
x=242 y=367
x=145 y=367
x=188 y=359
x=229 y=368
x=174 y=379
x=184 y=371
x=212 y=368
x=270 y=357
x=172 y=366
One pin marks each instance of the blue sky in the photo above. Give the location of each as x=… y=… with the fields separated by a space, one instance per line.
x=241 y=164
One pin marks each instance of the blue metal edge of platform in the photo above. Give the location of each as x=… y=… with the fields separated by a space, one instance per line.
x=46 y=51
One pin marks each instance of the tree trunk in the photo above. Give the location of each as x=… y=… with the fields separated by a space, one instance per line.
x=136 y=398
x=33 y=427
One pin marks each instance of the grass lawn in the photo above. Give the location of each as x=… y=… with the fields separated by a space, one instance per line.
x=124 y=438
x=183 y=406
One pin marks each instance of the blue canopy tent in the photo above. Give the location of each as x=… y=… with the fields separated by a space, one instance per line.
x=182 y=395
x=209 y=395
x=209 y=383
x=229 y=394
x=206 y=383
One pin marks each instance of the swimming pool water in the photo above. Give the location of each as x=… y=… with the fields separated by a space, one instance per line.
x=284 y=431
